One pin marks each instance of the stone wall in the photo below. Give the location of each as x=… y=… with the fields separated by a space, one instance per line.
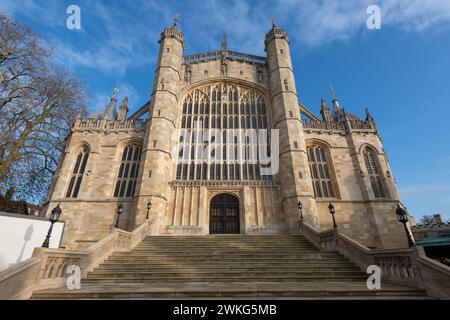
x=359 y=214
x=180 y=208
x=92 y=214
x=207 y=70
x=189 y=207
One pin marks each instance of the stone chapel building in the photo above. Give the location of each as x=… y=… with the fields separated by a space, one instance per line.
x=113 y=158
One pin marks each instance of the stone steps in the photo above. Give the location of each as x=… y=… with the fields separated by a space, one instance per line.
x=224 y=260
x=180 y=268
x=255 y=264
x=232 y=274
x=252 y=290
x=221 y=266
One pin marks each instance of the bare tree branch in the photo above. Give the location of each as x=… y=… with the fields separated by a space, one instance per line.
x=38 y=102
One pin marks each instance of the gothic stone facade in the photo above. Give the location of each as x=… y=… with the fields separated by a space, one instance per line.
x=112 y=159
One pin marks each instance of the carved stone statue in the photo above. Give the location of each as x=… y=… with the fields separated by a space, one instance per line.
x=188 y=75
x=224 y=70
x=260 y=76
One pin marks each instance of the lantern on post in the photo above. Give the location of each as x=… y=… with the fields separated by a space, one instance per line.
x=403 y=217
x=54 y=217
x=119 y=212
x=300 y=207
x=332 y=212
x=149 y=207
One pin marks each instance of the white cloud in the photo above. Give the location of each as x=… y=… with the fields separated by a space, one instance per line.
x=117 y=37
x=329 y=20
x=50 y=15
x=100 y=58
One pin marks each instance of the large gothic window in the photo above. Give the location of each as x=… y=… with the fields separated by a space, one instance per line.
x=217 y=119
x=128 y=171
x=320 y=167
x=374 y=170
x=78 y=173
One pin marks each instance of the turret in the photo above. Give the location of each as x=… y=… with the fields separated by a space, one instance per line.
x=292 y=149
x=325 y=111
x=123 y=110
x=158 y=167
x=110 y=112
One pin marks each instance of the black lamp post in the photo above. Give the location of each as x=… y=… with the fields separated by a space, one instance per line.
x=300 y=207
x=54 y=217
x=332 y=212
x=149 y=207
x=402 y=217
x=119 y=212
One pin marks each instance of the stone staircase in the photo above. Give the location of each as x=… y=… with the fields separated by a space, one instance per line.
x=228 y=266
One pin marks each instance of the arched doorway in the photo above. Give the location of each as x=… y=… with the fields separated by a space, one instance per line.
x=224 y=215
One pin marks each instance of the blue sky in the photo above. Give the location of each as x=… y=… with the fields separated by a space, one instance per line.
x=401 y=72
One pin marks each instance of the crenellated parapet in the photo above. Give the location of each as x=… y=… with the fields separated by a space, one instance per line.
x=101 y=125
x=225 y=54
x=362 y=125
x=334 y=127
x=323 y=126
x=173 y=32
x=277 y=32
x=339 y=121
x=225 y=183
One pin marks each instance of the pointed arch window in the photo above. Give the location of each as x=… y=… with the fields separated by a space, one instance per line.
x=374 y=170
x=128 y=172
x=321 y=175
x=78 y=172
x=227 y=107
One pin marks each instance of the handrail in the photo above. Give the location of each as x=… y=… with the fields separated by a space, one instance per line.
x=47 y=267
x=408 y=266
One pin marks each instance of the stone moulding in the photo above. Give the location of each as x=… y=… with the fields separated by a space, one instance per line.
x=324 y=126
x=219 y=183
x=361 y=125
x=107 y=125
x=47 y=267
x=172 y=32
x=409 y=266
x=276 y=33
x=225 y=54
x=331 y=127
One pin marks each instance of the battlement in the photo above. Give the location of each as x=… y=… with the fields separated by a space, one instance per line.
x=225 y=54
x=108 y=125
x=339 y=127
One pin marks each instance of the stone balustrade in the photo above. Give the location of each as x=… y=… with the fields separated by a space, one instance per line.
x=361 y=125
x=324 y=240
x=107 y=125
x=224 y=183
x=47 y=267
x=408 y=266
x=324 y=126
x=232 y=55
x=338 y=127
